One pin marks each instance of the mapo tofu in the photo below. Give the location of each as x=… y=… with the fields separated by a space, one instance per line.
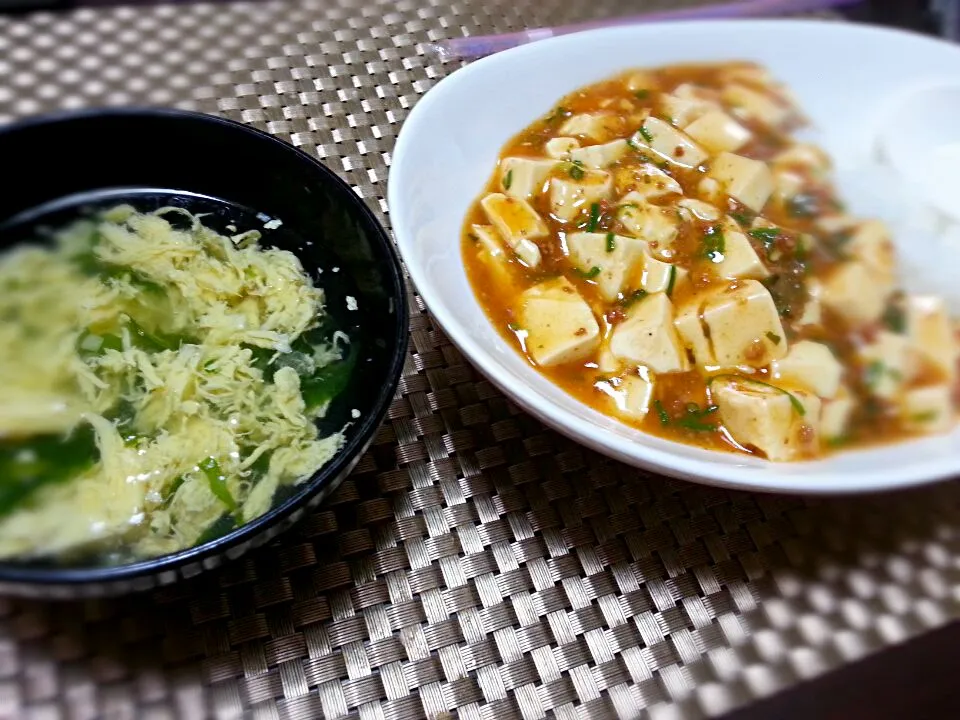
x=660 y=246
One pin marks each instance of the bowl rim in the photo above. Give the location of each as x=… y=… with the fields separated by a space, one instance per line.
x=341 y=464
x=753 y=474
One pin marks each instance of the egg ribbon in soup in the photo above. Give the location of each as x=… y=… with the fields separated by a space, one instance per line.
x=161 y=383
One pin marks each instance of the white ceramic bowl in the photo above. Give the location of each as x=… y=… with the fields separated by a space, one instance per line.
x=842 y=75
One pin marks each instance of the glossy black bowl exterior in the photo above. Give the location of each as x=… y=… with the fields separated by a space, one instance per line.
x=212 y=165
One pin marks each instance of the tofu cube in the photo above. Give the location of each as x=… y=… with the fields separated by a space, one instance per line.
x=693 y=336
x=518 y=224
x=740 y=260
x=607 y=362
x=492 y=252
x=522 y=177
x=596 y=126
x=569 y=197
x=559 y=148
x=645 y=183
x=787 y=184
x=657 y=226
x=682 y=109
x=669 y=143
x=488 y=239
x=835 y=415
x=657 y=276
x=632 y=395
x=746 y=180
x=760 y=106
x=691 y=209
x=813 y=310
x=598 y=157
x=765 y=418
x=748 y=72
x=647 y=337
x=617 y=257
x=641 y=80
x=871 y=245
x=744 y=326
x=709 y=190
x=718 y=132
x=835 y=223
x=804 y=156
x=852 y=292
x=560 y=325
x=885 y=364
x=931 y=336
x=809 y=366
x=928 y=409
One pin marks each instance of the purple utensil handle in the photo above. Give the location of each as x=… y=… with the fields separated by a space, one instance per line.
x=469 y=48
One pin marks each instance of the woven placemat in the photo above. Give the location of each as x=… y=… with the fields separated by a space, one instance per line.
x=475 y=564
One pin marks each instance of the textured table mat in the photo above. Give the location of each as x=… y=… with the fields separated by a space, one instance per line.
x=476 y=564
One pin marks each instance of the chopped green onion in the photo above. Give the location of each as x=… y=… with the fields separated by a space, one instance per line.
x=662 y=412
x=513 y=326
x=741 y=217
x=895 y=319
x=645 y=134
x=642 y=94
x=672 y=281
x=873 y=373
x=714 y=244
x=695 y=425
x=633 y=297
x=588 y=274
x=693 y=420
x=560 y=112
x=765 y=233
x=794 y=401
x=925 y=417
x=218 y=483
x=774 y=338
x=611 y=242
x=508 y=179
x=767 y=236
x=576 y=170
x=594 y=217
x=694 y=410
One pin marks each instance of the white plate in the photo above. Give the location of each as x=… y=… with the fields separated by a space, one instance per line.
x=841 y=73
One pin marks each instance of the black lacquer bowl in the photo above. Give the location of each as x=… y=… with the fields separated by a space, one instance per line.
x=60 y=166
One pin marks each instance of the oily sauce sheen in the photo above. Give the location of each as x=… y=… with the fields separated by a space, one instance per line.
x=736 y=216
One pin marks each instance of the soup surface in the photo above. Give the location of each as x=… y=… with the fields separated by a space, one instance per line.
x=662 y=248
x=161 y=385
